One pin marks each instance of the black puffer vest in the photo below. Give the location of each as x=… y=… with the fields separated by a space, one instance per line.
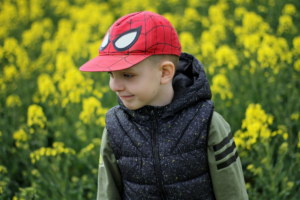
x=162 y=151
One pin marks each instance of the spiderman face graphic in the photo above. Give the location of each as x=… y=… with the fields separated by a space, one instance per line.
x=133 y=38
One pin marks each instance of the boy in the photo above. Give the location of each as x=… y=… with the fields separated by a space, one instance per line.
x=164 y=140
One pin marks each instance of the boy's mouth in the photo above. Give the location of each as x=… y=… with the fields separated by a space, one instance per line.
x=126 y=97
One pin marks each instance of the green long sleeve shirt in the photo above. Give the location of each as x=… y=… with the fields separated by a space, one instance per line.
x=224 y=165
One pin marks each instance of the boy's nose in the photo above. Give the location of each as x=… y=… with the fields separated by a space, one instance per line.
x=116 y=85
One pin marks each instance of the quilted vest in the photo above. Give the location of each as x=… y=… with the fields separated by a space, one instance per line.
x=161 y=151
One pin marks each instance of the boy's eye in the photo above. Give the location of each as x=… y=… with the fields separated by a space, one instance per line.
x=128 y=75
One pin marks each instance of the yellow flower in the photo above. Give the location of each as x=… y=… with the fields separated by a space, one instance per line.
x=35 y=116
x=35 y=172
x=220 y=85
x=262 y=8
x=239 y=13
x=289 y=9
x=34 y=34
x=255 y=125
x=46 y=86
x=8 y=18
x=248 y=186
x=3 y=169
x=23 y=11
x=285 y=136
x=188 y=42
x=194 y=3
x=10 y=72
x=189 y=18
x=286 y=25
x=250 y=167
x=252 y=42
x=216 y=14
x=36 y=9
x=290 y=185
x=295 y=116
x=13 y=100
x=10 y=45
x=20 y=135
x=296 y=44
x=283 y=148
x=217 y=32
x=174 y=19
x=205 y=22
x=57 y=144
x=267 y=56
x=90 y=106
x=251 y=22
x=226 y=56
x=86 y=150
x=208 y=50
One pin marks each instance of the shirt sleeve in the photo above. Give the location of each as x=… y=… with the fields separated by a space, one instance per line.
x=224 y=163
x=109 y=177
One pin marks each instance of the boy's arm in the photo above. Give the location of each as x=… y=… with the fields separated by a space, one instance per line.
x=109 y=177
x=224 y=163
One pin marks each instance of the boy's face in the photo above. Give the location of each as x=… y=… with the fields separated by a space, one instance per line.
x=138 y=85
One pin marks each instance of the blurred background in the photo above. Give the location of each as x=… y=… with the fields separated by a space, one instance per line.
x=52 y=115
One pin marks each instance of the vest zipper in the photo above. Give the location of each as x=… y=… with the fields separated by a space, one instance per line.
x=156 y=157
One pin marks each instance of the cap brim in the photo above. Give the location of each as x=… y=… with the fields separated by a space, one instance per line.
x=106 y=63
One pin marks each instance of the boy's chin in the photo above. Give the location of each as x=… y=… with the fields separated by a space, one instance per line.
x=131 y=107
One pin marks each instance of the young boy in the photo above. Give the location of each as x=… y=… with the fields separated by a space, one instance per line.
x=164 y=140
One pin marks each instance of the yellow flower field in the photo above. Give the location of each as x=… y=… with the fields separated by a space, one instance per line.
x=53 y=115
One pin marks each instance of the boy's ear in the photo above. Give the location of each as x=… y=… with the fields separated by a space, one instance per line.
x=168 y=70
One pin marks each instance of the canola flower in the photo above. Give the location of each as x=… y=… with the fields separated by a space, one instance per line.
x=17 y=57
x=36 y=116
x=226 y=56
x=289 y=9
x=86 y=150
x=92 y=111
x=13 y=101
x=220 y=85
x=57 y=149
x=296 y=44
x=10 y=72
x=297 y=65
x=255 y=127
x=20 y=135
x=45 y=86
x=3 y=169
x=187 y=42
x=286 y=25
x=239 y=12
x=295 y=116
x=21 y=138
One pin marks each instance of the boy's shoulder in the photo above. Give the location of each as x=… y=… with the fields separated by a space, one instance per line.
x=115 y=112
x=112 y=111
x=218 y=120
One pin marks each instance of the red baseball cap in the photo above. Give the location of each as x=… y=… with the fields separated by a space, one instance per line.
x=133 y=38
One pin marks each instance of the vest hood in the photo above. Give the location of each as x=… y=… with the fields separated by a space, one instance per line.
x=190 y=85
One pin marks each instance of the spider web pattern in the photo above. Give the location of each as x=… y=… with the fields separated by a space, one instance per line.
x=157 y=37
